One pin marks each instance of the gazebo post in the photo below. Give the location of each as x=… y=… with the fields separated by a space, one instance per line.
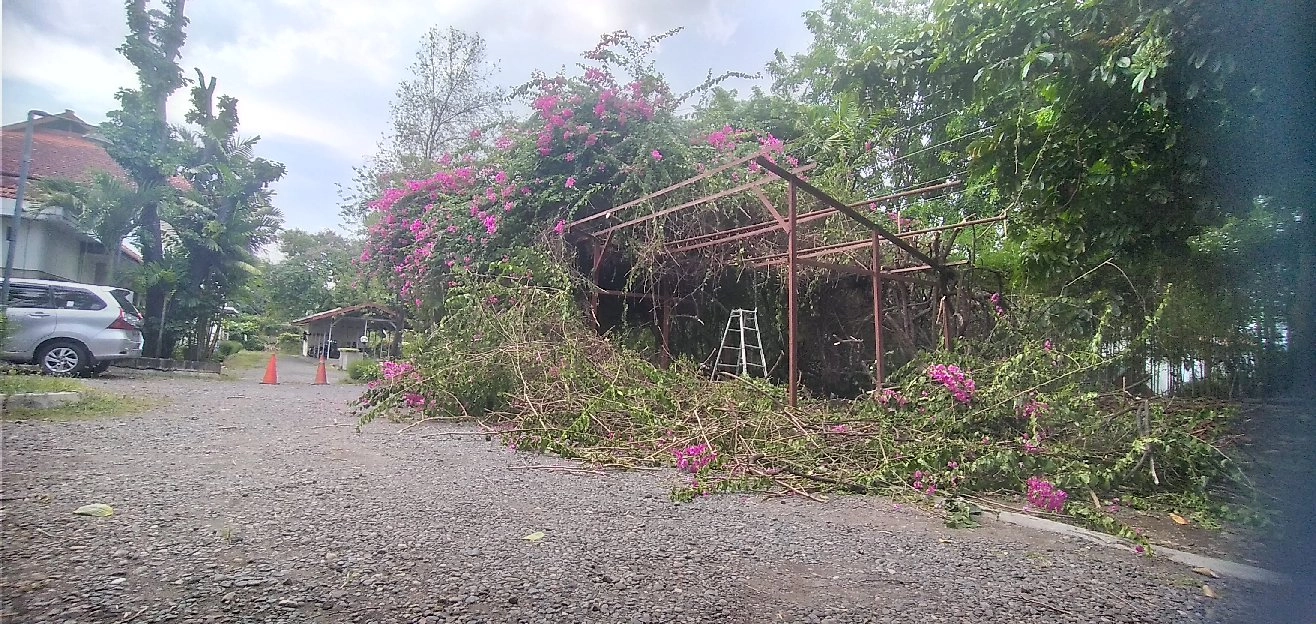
x=791 y=297
x=878 y=368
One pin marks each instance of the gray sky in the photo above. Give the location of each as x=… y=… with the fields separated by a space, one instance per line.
x=314 y=78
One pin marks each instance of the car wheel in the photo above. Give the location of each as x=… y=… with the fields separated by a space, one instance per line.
x=63 y=357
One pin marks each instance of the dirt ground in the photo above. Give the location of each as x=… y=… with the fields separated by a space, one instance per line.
x=241 y=502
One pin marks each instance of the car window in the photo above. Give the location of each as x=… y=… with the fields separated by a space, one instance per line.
x=122 y=296
x=76 y=299
x=28 y=296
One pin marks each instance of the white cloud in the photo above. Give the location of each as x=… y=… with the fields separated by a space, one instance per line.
x=78 y=77
x=321 y=72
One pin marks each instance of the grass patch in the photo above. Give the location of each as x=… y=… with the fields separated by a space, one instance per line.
x=243 y=360
x=26 y=384
x=247 y=359
x=94 y=404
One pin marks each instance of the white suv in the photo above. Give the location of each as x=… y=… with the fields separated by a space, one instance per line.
x=68 y=328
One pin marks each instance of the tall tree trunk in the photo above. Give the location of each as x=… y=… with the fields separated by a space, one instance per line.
x=157 y=292
x=1302 y=318
x=115 y=251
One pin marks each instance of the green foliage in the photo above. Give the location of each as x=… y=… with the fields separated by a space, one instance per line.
x=289 y=343
x=315 y=274
x=141 y=141
x=16 y=382
x=229 y=347
x=221 y=223
x=512 y=353
x=450 y=96
x=252 y=331
x=364 y=370
x=106 y=207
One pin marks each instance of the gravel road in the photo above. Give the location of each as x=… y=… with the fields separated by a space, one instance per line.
x=240 y=502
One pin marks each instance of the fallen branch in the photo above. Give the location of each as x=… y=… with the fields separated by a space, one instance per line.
x=425 y=420
x=557 y=468
x=800 y=492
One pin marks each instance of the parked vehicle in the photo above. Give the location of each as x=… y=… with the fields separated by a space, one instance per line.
x=68 y=328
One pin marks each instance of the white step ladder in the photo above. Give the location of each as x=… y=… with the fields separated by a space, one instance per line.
x=741 y=353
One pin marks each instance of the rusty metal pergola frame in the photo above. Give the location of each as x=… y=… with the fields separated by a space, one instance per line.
x=600 y=239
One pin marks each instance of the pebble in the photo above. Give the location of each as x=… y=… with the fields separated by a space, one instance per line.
x=381 y=527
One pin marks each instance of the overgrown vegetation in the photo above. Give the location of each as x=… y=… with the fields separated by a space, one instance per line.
x=364 y=370
x=17 y=382
x=94 y=403
x=514 y=354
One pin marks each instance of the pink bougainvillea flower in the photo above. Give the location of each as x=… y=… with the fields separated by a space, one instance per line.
x=1045 y=495
x=571 y=182
x=560 y=227
x=657 y=155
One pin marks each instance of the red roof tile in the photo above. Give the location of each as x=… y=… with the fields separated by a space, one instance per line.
x=59 y=154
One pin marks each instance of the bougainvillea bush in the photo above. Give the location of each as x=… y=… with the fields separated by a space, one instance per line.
x=594 y=140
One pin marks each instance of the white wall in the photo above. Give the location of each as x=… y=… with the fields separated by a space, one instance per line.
x=48 y=246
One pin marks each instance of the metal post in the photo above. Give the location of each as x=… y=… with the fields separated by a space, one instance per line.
x=791 y=298
x=879 y=370
x=945 y=315
x=598 y=253
x=12 y=236
x=665 y=355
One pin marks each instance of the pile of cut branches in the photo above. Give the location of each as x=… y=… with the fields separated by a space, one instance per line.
x=513 y=354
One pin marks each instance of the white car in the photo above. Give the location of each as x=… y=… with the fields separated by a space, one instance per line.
x=68 y=328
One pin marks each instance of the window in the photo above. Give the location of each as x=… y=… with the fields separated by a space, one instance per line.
x=77 y=299
x=125 y=300
x=28 y=296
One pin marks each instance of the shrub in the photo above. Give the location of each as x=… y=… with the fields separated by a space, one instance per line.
x=229 y=347
x=290 y=343
x=364 y=370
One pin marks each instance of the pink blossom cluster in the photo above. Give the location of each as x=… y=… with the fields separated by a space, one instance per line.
x=693 y=459
x=890 y=396
x=393 y=370
x=1033 y=408
x=411 y=399
x=996 y=302
x=724 y=140
x=1043 y=494
x=405 y=239
x=925 y=482
x=960 y=385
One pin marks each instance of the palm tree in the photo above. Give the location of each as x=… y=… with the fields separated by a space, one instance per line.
x=107 y=208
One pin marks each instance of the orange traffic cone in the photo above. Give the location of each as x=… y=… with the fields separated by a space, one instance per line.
x=272 y=370
x=321 y=376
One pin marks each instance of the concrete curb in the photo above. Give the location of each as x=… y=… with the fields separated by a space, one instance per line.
x=1224 y=568
x=39 y=400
